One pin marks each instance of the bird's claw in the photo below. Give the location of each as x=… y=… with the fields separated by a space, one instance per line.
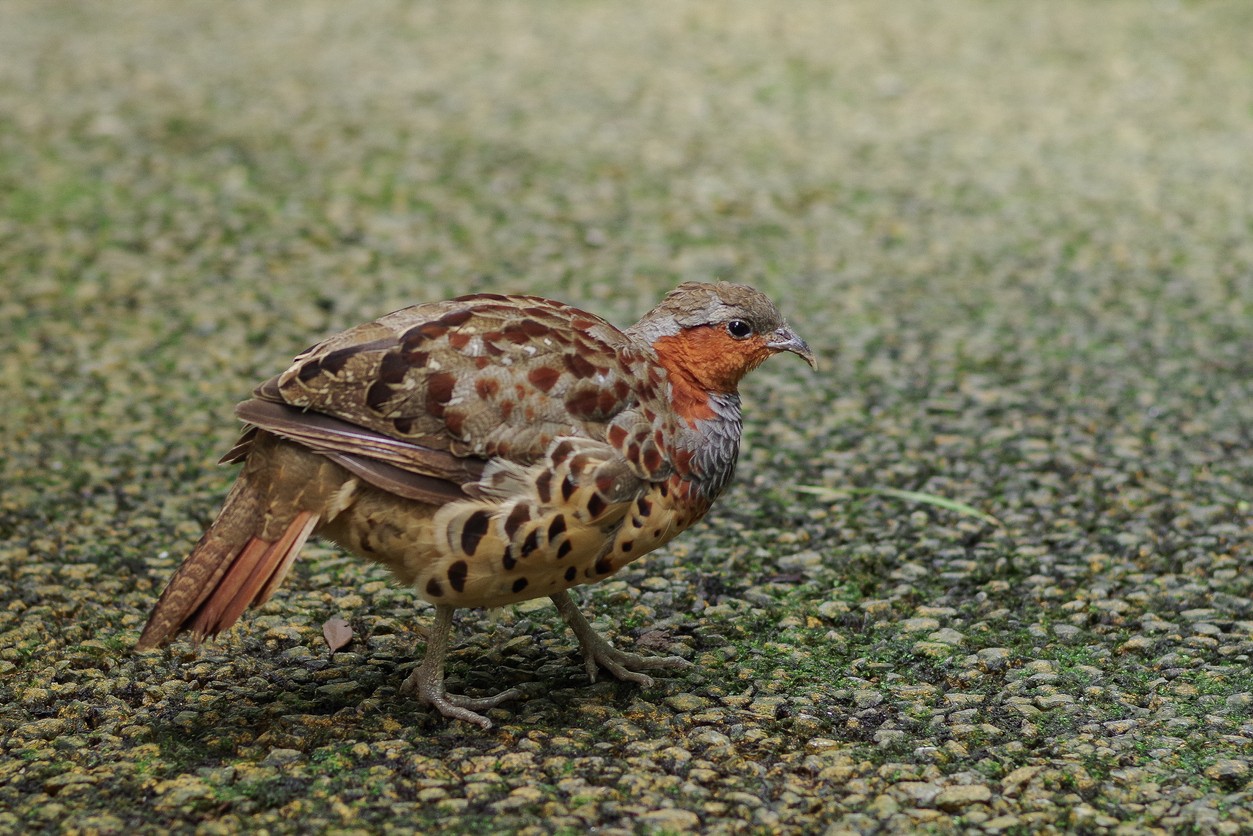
x=454 y=706
x=629 y=667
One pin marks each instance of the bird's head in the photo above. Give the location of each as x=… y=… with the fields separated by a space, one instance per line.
x=708 y=336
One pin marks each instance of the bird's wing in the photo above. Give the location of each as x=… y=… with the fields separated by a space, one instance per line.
x=436 y=391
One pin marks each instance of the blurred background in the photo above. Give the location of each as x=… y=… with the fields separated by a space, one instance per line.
x=1019 y=236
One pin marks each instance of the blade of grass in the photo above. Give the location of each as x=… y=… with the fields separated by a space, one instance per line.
x=908 y=496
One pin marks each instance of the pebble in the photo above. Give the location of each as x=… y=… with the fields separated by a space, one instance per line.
x=952 y=799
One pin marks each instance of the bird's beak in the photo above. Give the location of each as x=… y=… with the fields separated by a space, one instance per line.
x=785 y=340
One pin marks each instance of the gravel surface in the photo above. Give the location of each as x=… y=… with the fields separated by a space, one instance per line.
x=1020 y=237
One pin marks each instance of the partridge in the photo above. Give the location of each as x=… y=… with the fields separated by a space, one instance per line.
x=487 y=450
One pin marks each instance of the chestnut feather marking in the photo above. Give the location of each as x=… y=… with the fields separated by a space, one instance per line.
x=543 y=378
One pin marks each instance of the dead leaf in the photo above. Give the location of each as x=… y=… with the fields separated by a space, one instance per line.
x=337 y=633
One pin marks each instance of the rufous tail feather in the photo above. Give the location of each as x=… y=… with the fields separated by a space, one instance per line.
x=230 y=569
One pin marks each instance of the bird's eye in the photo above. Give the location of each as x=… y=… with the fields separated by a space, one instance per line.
x=739 y=329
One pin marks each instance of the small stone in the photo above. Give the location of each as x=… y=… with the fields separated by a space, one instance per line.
x=957 y=699
x=939 y=612
x=686 y=702
x=57 y=783
x=883 y=806
x=1002 y=823
x=47 y=729
x=993 y=658
x=179 y=792
x=832 y=609
x=337 y=690
x=952 y=799
x=934 y=650
x=947 y=636
x=867 y=698
x=808 y=562
x=887 y=737
x=1136 y=644
x=920 y=793
x=877 y=606
x=669 y=820
x=1228 y=771
x=282 y=757
x=1013 y=783
x=709 y=737
x=823 y=744
x=1239 y=703
x=919 y=625
x=1047 y=701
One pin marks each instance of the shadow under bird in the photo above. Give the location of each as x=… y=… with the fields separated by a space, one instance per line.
x=487 y=450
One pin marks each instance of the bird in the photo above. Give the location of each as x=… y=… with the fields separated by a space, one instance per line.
x=488 y=449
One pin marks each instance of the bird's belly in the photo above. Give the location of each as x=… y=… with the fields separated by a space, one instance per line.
x=423 y=546
x=386 y=529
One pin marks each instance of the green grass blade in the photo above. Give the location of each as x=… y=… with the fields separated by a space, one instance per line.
x=908 y=496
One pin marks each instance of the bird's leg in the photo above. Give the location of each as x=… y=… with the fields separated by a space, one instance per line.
x=427 y=682
x=599 y=653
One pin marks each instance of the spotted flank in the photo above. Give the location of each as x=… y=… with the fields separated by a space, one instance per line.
x=576 y=516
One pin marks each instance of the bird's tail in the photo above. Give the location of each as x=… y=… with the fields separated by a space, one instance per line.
x=234 y=565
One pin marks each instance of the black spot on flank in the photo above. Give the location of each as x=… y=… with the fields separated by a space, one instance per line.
x=521 y=513
x=519 y=584
x=663 y=489
x=509 y=560
x=473 y=531
x=564 y=549
x=604 y=566
x=457 y=575
x=567 y=488
x=571 y=573
x=627 y=545
x=596 y=505
x=531 y=543
x=433 y=588
x=644 y=505
x=557 y=528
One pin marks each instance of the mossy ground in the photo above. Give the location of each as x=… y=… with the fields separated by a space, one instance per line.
x=1019 y=236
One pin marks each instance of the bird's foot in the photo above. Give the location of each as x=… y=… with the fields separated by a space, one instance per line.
x=427 y=682
x=599 y=653
x=430 y=690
